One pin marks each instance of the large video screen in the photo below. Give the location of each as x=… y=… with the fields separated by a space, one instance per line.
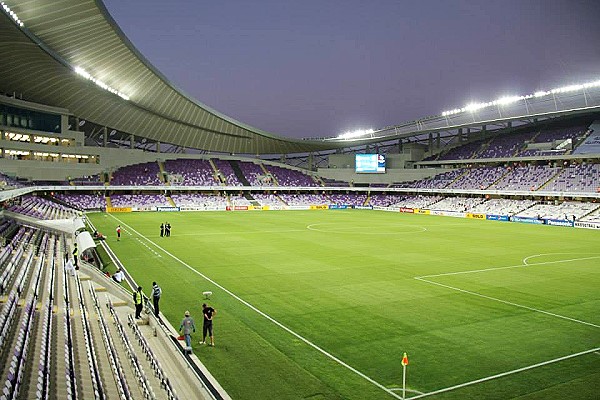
x=370 y=163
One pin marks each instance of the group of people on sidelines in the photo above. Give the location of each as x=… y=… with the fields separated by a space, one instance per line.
x=165 y=230
x=187 y=326
x=138 y=300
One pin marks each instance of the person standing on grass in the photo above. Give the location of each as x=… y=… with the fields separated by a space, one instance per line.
x=118 y=232
x=207 y=326
x=186 y=328
x=168 y=229
x=138 y=300
x=162 y=230
x=156 y=292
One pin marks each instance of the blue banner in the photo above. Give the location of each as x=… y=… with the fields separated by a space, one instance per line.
x=494 y=217
x=559 y=222
x=338 y=206
x=527 y=220
x=167 y=208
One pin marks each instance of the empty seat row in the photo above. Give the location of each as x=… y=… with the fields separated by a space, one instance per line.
x=70 y=378
x=14 y=379
x=43 y=378
x=92 y=359
x=113 y=357
x=164 y=381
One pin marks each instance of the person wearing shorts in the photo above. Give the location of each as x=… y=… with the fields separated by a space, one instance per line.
x=207 y=328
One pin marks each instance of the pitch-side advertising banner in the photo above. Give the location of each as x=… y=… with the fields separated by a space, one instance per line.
x=118 y=209
x=299 y=207
x=475 y=216
x=455 y=214
x=493 y=217
x=167 y=209
x=385 y=208
x=587 y=225
x=527 y=220
x=559 y=222
x=205 y=208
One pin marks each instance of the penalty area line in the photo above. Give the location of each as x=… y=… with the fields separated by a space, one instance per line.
x=268 y=317
x=510 y=303
x=524 y=264
x=503 y=374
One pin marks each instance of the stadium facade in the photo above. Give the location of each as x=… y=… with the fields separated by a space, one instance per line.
x=87 y=123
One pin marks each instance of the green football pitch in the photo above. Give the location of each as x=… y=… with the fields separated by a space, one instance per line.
x=323 y=304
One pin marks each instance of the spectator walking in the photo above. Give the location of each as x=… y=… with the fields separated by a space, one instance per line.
x=207 y=327
x=118 y=232
x=156 y=292
x=69 y=266
x=138 y=300
x=186 y=328
x=76 y=255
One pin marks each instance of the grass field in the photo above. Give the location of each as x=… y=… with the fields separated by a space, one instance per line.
x=322 y=304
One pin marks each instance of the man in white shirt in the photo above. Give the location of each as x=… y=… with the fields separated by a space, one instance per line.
x=69 y=266
x=118 y=276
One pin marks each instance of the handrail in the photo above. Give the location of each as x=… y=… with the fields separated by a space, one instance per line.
x=70 y=356
x=139 y=371
x=89 y=347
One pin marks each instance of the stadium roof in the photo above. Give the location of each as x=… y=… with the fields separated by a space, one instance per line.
x=72 y=54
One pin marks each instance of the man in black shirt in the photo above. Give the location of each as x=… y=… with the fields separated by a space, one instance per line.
x=208 y=313
x=75 y=255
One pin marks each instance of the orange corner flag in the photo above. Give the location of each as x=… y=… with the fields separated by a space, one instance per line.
x=405 y=360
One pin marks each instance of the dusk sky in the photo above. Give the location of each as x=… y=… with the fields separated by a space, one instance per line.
x=319 y=68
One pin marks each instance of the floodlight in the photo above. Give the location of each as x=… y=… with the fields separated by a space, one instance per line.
x=472 y=107
x=357 y=133
x=87 y=75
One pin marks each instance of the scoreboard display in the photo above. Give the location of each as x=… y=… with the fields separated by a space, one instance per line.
x=370 y=163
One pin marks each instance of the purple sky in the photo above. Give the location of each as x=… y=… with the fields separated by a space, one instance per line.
x=319 y=68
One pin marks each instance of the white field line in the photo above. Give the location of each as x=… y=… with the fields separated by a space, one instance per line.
x=268 y=317
x=236 y=233
x=524 y=264
x=148 y=247
x=508 y=302
x=526 y=259
x=311 y=227
x=408 y=390
x=503 y=374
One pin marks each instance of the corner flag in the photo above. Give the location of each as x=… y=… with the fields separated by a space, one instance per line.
x=404 y=364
